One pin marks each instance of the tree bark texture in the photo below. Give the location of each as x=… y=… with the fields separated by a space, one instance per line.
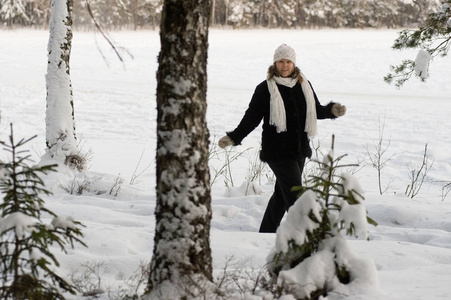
x=183 y=211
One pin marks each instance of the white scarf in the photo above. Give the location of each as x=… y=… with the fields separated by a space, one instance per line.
x=277 y=114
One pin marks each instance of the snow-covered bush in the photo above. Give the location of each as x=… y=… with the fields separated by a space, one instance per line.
x=27 y=265
x=311 y=257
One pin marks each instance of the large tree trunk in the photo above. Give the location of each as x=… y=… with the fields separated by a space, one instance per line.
x=182 y=254
x=60 y=124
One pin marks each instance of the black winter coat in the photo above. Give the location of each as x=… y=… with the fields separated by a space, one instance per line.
x=291 y=144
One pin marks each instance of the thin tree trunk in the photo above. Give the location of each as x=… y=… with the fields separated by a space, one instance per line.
x=213 y=8
x=60 y=124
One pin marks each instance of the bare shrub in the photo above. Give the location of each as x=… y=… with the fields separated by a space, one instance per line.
x=445 y=190
x=76 y=187
x=133 y=285
x=88 y=279
x=136 y=175
x=417 y=175
x=225 y=170
x=378 y=157
x=117 y=186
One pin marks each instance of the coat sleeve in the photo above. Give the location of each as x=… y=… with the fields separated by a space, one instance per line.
x=254 y=114
x=323 y=112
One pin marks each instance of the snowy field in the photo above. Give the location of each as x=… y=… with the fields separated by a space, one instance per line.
x=116 y=120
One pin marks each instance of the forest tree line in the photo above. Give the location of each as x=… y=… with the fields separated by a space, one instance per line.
x=136 y=14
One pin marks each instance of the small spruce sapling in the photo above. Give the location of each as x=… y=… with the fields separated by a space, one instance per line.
x=311 y=257
x=27 y=265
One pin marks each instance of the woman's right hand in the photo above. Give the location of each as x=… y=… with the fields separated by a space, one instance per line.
x=225 y=141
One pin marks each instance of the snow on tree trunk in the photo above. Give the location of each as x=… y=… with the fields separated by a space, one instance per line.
x=60 y=125
x=181 y=261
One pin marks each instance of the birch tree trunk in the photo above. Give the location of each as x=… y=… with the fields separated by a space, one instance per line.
x=181 y=264
x=60 y=125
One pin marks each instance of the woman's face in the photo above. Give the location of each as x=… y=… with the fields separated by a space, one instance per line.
x=284 y=67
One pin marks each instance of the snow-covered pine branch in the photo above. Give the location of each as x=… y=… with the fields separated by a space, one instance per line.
x=311 y=257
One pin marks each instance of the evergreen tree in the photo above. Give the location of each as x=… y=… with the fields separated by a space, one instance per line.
x=433 y=39
x=12 y=9
x=27 y=265
x=311 y=257
x=120 y=14
x=181 y=262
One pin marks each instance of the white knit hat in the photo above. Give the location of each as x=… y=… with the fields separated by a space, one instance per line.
x=285 y=52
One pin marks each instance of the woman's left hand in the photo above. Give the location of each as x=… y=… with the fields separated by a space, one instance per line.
x=338 y=110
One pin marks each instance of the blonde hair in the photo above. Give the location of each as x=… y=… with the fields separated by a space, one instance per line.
x=272 y=71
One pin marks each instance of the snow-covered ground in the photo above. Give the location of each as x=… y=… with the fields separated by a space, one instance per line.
x=115 y=120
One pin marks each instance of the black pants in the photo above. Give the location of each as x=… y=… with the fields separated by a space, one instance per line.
x=288 y=174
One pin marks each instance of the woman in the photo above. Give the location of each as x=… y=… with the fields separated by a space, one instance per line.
x=289 y=108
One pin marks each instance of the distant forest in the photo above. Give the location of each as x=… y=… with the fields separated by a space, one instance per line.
x=143 y=14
